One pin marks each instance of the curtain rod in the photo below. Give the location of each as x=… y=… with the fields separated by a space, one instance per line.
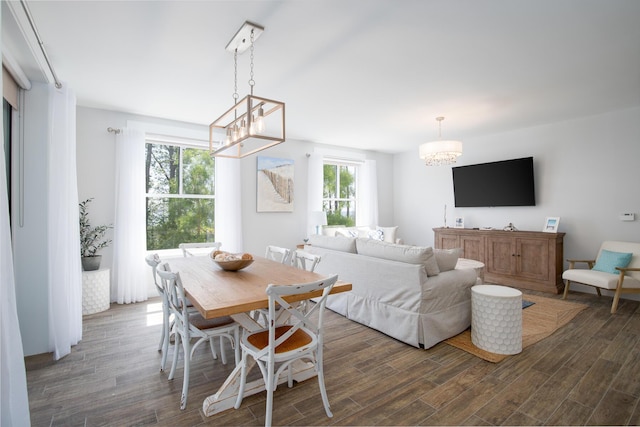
x=40 y=42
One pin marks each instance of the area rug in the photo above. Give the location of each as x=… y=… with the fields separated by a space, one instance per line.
x=539 y=320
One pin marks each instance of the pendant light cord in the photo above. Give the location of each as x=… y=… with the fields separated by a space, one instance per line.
x=252 y=82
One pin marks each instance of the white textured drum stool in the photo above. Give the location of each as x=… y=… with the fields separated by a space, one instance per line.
x=95 y=291
x=496 y=319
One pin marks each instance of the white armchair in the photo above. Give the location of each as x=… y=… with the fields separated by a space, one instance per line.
x=617 y=268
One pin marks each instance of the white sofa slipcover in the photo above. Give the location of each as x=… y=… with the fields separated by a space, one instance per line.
x=394 y=297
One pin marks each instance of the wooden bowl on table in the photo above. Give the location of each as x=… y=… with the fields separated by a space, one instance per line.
x=231 y=262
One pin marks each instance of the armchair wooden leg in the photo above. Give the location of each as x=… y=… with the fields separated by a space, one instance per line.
x=566 y=289
x=614 y=305
x=616 y=296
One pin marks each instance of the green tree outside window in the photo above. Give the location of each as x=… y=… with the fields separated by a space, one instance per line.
x=339 y=193
x=180 y=199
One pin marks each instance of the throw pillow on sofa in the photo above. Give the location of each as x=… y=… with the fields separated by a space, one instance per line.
x=447 y=258
x=389 y=233
x=402 y=253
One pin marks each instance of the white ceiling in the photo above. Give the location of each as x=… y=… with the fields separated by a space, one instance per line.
x=368 y=74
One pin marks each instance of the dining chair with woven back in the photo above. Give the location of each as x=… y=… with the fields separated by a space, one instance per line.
x=291 y=335
x=188 y=325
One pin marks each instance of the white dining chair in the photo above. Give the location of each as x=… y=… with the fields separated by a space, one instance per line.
x=291 y=335
x=153 y=260
x=202 y=248
x=278 y=254
x=305 y=260
x=188 y=325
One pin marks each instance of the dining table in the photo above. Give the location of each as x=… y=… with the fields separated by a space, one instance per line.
x=216 y=292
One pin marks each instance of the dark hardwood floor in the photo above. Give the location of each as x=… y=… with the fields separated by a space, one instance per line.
x=587 y=373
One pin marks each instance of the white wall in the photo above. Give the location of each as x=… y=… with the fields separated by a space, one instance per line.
x=586 y=172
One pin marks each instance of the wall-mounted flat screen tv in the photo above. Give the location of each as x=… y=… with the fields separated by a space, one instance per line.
x=503 y=183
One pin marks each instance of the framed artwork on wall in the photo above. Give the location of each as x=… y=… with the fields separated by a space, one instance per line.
x=274 y=185
x=551 y=224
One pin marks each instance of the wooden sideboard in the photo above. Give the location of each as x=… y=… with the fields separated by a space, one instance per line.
x=523 y=259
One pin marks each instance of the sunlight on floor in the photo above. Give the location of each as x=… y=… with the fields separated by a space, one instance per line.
x=154 y=314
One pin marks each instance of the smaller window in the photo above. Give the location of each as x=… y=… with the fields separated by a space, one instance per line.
x=339 y=194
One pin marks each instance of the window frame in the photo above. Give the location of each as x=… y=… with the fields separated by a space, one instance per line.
x=354 y=201
x=182 y=144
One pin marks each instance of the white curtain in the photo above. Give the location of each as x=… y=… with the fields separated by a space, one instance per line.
x=14 y=400
x=64 y=270
x=228 y=211
x=129 y=229
x=315 y=184
x=367 y=212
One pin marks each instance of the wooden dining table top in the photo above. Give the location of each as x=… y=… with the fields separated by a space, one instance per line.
x=216 y=292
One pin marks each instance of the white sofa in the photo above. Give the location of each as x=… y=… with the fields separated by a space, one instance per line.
x=411 y=293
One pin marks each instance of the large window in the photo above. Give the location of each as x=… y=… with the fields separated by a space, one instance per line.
x=339 y=193
x=180 y=195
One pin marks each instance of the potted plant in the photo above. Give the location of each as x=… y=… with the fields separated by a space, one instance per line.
x=92 y=239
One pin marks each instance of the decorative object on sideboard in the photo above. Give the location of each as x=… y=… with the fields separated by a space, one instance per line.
x=92 y=239
x=459 y=222
x=440 y=152
x=551 y=224
x=445 y=215
x=510 y=227
x=253 y=123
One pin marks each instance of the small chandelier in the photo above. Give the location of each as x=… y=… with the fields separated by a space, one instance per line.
x=440 y=152
x=253 y=123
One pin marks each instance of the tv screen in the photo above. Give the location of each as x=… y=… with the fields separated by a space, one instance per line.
x=503 y=183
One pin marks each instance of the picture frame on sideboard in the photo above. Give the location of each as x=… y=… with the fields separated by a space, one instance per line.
x=459 y=222
x=551 y=224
